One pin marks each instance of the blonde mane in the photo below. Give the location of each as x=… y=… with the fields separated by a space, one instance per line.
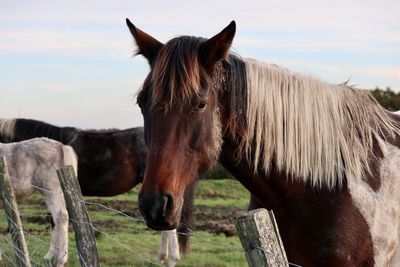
x=310 y=129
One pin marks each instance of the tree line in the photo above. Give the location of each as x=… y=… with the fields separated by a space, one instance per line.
x=387 y=98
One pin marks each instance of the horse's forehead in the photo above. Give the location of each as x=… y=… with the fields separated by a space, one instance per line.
x=175 y=77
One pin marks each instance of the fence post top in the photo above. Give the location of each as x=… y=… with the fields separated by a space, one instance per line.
x=253 y=213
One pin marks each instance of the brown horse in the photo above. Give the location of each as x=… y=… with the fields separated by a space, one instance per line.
x=324 y=157
x=109 y=162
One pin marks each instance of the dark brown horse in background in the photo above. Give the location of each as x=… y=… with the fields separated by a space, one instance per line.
x=109 y=162
x=324 y=157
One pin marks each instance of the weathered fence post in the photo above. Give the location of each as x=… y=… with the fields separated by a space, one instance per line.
x=12 y=212
x=84 y=235
x=260 y=239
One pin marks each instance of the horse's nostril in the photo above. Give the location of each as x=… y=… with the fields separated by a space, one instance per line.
x=157 y=209
x=165 y=202
x=168 y=203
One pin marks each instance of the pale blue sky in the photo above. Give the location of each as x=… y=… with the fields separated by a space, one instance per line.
x=69 y=63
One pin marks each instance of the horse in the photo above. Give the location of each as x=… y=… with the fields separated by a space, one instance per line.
x=324 y=157
x=33 y=164
x=109 y=163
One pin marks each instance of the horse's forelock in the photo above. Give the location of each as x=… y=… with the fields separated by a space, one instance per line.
x=176 y=75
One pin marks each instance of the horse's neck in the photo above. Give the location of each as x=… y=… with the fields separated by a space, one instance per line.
x=290 y=199
x=257 y=184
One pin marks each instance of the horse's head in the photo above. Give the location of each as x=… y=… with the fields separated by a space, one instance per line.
x=179 y=103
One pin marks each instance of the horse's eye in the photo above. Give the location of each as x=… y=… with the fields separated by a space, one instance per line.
x=201 y=106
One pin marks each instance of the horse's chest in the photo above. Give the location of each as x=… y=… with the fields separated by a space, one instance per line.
x=381 y=208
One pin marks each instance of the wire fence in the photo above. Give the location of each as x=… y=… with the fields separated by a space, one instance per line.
x=39 y=239
x=107 y=228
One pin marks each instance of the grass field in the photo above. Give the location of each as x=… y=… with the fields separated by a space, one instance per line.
x=126 y=241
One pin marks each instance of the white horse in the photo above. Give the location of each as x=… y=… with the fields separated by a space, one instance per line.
x=33 y=164
x=169 y=248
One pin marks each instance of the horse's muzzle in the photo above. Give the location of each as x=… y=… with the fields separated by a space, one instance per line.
x=157 y=211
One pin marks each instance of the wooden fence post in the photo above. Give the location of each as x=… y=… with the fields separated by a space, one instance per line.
x=12 y=212
x=260 y=239
x=84 y=235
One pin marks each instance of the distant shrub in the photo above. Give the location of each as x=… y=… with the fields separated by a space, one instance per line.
x=216 y=173
x=387 y=98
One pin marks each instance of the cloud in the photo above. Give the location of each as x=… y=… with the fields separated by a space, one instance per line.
x=329 y=39
x=363 y=76
x=312 y=44
x=297 y=45
x=67 y=43
x=56 y=88
x=13 y=88
x=67 y=27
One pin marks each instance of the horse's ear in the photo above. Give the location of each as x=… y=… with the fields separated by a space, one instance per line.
x=147 y=45
x=217 y=47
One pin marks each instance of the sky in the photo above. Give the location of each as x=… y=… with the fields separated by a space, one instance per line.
x=70 y=63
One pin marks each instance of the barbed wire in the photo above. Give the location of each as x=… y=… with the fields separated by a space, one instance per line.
x=191 y=233
x=19 y=252
x=103 y=233
x=107 y=208
x=4 y=255
x=35 y=186
x=125 y=246
x=57 y=248
x=90 y=224
x=13 y=227
x=16 y=227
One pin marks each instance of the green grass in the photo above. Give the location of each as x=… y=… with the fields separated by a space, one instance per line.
x=212 y=193
x=123 y=241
